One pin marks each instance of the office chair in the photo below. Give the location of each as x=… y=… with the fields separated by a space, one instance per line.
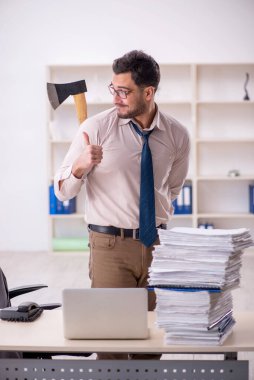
x=6 y=295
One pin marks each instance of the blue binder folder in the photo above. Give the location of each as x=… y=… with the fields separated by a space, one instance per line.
x=183 y=203
x=251 y=198
x=58 y=207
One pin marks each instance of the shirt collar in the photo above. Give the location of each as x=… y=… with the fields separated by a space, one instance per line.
x=155 y=123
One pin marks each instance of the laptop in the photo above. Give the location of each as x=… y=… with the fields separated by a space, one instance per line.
x=105 y=313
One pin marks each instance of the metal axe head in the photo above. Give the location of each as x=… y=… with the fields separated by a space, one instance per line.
x=57 y=94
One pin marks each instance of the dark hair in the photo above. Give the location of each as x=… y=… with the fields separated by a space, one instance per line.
x=144 y=70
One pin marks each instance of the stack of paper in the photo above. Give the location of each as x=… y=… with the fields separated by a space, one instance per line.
x=194 y=317
x=200 y=258
x=193 y=272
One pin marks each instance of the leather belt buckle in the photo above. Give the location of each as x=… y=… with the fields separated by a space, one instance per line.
x=135 y=234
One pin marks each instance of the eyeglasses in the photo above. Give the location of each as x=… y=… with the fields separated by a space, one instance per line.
x=121 y=93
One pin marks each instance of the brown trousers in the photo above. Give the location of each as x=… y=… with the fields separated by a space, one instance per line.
x=118 y=262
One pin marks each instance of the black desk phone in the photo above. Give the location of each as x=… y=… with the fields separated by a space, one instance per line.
x=25 y=312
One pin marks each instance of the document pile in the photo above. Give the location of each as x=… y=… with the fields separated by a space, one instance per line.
x=193 y=272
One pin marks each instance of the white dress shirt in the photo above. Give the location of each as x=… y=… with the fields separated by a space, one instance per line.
x=113 y=186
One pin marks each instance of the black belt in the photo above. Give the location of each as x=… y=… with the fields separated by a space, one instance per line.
x=119 y=231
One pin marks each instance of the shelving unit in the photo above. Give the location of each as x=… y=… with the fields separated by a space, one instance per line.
x=208 y=100
x=224 y=142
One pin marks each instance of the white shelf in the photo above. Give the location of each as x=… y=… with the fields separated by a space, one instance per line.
x=226 y=215
x=68 y=141
x=174 y=103
x=226 y=103
x=70 y=102
x=217 y=159
x=208 y=100
x=218 y=178
x=223 y=141
x=81 y=216
x=70 y=253
x=224 y=83
x=183 y=216
x=67 y=216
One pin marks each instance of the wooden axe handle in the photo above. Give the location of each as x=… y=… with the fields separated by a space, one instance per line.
x=81 y=106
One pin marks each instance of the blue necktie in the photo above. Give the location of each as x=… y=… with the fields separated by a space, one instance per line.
x=147 y=224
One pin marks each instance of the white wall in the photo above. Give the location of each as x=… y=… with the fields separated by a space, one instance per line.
x=34 y=34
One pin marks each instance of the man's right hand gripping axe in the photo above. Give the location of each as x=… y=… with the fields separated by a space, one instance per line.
x=57 y=94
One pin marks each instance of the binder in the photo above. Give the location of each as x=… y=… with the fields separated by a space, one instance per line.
x=251 y=198
x=186 y=288
x=52 y=201
x=58 y=207
x=187 y=199
x=183 y=203
x=208 y=226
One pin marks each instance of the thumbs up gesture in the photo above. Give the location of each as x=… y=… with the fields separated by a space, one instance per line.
x=93 y=152
x=91 y=156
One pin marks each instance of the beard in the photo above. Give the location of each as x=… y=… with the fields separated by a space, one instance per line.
x=139 y=109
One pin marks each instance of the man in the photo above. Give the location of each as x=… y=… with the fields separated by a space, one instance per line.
x=130 y=180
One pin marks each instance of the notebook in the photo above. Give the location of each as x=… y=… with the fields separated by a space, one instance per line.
x=105 y=313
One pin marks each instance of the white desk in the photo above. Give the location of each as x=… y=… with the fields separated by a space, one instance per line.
x=46 y=335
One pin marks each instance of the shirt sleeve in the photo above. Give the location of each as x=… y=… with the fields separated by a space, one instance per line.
x=180 y=166
x=71 y=185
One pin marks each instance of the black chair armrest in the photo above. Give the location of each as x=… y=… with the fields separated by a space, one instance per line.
x=14 y=292
x=50 y=306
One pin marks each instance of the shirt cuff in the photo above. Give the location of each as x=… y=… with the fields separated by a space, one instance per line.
x=70 y=187
x=67 y=174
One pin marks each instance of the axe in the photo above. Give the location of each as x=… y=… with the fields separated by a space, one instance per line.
x=57 y=94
